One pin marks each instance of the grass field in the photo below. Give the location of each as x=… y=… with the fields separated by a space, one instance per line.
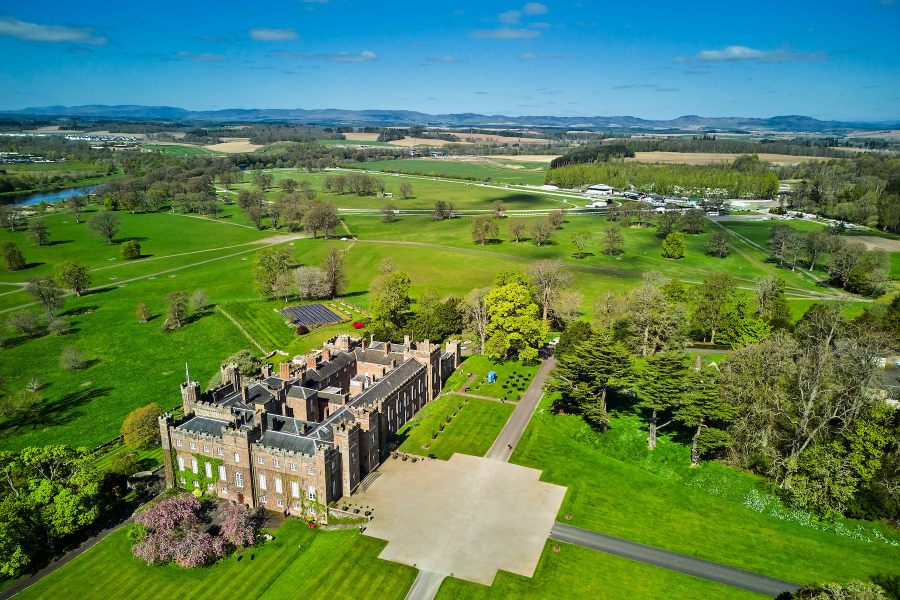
x=619 y=487
x=298 y=563
x=484 y=170
x=464 y=195
x=711 y=158
x=576 y=572
x=178 y=149
x=473 y=426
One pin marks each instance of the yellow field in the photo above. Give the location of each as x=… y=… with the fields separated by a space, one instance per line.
x=467 y=138
x=535 y=158
x=233 y=145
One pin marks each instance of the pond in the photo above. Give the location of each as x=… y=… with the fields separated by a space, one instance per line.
x=57 y=196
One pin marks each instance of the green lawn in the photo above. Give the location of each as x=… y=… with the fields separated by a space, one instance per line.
x=492 y=170
x=511 y=373
x=473 y=427
x=576 y=572
x=299 y=563
x=617 y=486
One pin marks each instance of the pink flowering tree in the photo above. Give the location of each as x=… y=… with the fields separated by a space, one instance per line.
x=239 y=525
x=172 y=533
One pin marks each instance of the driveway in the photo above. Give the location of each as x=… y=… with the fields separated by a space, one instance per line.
x=512 y=432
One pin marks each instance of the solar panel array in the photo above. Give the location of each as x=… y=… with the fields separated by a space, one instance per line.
x=310 y=314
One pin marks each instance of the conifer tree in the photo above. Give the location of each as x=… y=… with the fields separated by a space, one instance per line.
x=662 y=386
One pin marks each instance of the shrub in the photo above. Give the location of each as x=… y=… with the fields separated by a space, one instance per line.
x=58 y=327
x=673 y=246
x=301 y=329
x=12 y=256
x=131 y=249
x=24 y=323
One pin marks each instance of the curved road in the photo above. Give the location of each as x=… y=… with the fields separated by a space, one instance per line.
x=673 y=561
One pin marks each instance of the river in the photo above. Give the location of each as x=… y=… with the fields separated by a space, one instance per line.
x=32 y=199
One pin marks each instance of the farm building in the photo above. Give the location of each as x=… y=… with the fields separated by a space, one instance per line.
x=599 y=189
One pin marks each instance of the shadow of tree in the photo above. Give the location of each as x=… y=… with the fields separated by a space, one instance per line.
x=56 y=412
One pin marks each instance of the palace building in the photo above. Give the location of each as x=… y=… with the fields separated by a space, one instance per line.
x=300 y=439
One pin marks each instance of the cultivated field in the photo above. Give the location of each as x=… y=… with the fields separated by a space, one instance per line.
x=709 y=158
x=233 y=145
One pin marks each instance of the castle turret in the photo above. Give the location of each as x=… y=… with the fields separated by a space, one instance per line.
x=190 y=396
x=230 y=374
x=165 y=422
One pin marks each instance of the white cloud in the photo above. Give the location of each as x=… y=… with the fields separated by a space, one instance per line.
x=510 y=17
x=534 y=8
x=265 y=34
x=35 y=32
x=202 y=57
x=344 y=57
x=505 y=33
x=744 y=53
x=444 y=60
x=347 y=57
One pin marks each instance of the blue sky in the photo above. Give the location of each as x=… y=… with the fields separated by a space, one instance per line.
x=832 y=60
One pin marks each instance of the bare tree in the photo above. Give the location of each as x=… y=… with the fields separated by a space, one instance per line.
x=476 y=312
x=550 y=278
x=517 y=229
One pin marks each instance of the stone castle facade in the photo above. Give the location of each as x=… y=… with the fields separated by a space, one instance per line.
x=300 y=439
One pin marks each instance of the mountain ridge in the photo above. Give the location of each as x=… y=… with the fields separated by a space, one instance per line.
x=336 y=116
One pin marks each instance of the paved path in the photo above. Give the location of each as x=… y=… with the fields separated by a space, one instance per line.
x=426 y=586
x=673 y=561
x=515 y=426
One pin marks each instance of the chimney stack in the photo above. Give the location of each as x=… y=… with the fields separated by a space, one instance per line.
x=311 y=362
x=406 y=341
x=387 y=348
x=363 y=344
x=284 y=370
x=266 y=370
x=326 y=355
x=245 y=394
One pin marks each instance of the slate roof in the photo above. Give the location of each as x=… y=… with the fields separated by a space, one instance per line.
x=289 y=442
x=298 y=391
x=326 y=369
x=378 y=357
x=257 y=392
x=204 y=425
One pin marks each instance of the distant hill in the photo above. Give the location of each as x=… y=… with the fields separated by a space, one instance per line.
x=334 y=116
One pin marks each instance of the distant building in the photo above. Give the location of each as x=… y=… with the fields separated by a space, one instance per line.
x=299 y=440
x=599 y=189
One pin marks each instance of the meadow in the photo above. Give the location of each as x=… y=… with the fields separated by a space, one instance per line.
x=178 y=149
x=507 y=171
x=299 y=562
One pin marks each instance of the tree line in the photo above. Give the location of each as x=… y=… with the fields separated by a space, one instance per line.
x=704 y=180
x=863 y=190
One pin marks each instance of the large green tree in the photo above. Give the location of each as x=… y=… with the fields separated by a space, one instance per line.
x=514 y=328
x=583 y=376
x=390 y=304
x=703 y=409
x=269 y=263
x=662 y=386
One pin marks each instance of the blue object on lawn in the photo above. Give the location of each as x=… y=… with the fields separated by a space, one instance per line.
x=492 y=376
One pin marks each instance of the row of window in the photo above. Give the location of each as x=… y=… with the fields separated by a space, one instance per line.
x=295 y=487
x=276 y=462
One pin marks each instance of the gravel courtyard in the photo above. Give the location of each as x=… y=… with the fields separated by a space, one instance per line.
x=468 y=516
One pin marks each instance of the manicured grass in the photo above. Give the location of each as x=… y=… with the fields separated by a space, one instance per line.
x=298 y=563
x=471 y=431
x=148 y=458
x=619 y=487
x=576 y=572
x=511 y=373
x=530 y=173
